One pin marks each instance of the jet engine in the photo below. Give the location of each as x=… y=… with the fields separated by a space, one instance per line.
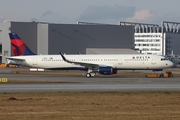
x=107 y=70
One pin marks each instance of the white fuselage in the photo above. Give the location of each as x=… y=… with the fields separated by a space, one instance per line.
x=119 y=62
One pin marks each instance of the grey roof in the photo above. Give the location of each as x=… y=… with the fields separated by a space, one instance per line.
x=110 y=51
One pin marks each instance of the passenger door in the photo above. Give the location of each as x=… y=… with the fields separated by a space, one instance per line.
x=120 y=61
x=153 y=61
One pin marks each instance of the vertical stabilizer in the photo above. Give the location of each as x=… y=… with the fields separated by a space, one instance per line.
x=18 y=46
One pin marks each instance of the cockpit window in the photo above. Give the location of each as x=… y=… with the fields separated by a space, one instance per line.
x=163 y=59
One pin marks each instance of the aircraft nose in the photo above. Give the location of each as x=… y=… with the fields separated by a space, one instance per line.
x=171 y=64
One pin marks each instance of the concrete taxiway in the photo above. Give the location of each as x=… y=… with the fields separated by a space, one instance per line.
x=57 y=83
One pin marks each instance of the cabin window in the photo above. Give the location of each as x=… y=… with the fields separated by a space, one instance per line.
x=163 y=59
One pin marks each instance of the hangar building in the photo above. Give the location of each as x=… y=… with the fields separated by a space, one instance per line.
x=46 y=38
x=155 y=39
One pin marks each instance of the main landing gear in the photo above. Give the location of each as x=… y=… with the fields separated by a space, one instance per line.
x=88 y=75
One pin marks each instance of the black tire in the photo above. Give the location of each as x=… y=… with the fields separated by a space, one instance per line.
x=88 y=75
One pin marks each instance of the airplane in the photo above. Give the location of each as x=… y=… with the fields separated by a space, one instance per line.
x=95 y=63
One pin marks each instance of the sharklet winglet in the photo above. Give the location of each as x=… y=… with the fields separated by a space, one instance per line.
x=62 y=56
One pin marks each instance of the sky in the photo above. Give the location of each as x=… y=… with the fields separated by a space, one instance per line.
x=95 y=11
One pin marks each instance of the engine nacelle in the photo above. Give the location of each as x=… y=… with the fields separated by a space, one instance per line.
x=107 y=70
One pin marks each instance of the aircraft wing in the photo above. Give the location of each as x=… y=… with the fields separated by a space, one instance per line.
x=87 y=65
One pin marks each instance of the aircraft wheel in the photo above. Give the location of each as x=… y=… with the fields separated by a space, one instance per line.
x=88 y=75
